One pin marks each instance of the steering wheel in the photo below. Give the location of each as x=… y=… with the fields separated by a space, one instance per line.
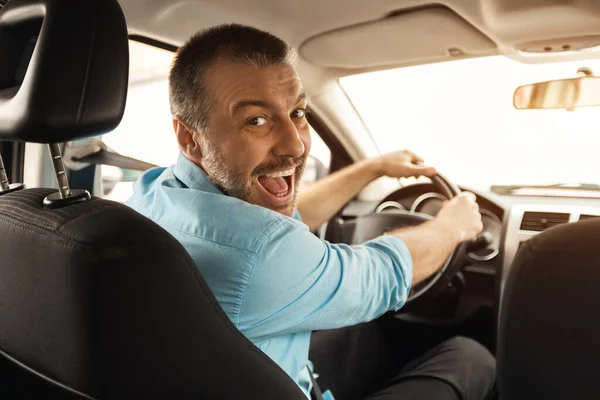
x=372 y=225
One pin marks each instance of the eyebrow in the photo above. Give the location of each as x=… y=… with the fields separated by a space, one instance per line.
x=301 y=96
x=251 y=103
x=261 y=103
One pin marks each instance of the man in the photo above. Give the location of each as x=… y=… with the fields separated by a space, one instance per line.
x=239 y=115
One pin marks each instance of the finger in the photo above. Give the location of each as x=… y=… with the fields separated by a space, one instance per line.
x=413 y=156
x=422 y=171
x=469 y=196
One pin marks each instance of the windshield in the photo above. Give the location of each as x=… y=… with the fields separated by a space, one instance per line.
x=459 y=117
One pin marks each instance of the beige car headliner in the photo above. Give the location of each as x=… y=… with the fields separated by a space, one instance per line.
x=342 y=37
x=350 y=36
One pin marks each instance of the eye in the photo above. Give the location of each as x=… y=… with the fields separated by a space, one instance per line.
x=257 y=121
x=298 y=113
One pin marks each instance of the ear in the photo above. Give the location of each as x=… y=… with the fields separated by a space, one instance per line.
x=188 y=142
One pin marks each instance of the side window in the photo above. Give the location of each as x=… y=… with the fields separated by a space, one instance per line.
x=319 y=160
x=145 y=132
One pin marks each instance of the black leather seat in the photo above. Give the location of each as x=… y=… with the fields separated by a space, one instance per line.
x=97 y=301
x=549 y=327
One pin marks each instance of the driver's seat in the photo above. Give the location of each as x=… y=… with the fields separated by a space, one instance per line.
x=96 y=301
x=549 y=326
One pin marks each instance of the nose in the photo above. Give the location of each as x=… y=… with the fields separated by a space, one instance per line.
x=289 y=142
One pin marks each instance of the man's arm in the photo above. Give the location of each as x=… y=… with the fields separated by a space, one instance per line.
x=431 y=243
x=301 y=283
x=319 y=202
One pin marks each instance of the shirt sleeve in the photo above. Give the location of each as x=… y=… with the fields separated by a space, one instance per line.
x=302 y=283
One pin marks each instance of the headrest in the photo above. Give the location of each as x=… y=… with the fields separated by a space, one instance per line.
x=64 y=69
x=549 y=328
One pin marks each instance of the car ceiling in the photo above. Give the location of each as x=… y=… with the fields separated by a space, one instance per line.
x=364 y=34
x=335 y=38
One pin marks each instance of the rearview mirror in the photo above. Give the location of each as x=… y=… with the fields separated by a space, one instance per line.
x=583 y=91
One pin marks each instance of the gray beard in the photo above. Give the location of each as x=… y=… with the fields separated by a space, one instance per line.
x=235 y=184
x=230 y=182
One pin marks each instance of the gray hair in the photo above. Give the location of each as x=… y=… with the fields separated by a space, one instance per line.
x=188 y=96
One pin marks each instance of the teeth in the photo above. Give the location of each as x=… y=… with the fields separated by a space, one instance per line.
x=280 y=173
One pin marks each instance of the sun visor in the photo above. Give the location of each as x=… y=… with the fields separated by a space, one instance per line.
x=422 y=35
x=63 y=69
x=544 y=26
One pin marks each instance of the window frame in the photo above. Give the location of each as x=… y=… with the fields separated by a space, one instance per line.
x=13 y=157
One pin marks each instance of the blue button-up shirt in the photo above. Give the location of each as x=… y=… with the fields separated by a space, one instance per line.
x=275 y=280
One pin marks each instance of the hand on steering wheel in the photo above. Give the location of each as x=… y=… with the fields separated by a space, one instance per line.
x=461 y=215
x=402 y=164
x=375 y=224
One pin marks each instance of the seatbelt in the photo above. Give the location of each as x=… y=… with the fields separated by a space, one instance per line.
x=105 y=157
x=315 y=393
x=83 y=153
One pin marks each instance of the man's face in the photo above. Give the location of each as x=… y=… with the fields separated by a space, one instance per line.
x=258 y=138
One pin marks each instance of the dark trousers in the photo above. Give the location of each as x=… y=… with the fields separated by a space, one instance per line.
x=371 y=361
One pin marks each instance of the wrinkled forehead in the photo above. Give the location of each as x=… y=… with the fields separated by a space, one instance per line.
x=228 y=82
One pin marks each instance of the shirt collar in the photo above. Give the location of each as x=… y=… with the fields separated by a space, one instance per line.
x=193 y=176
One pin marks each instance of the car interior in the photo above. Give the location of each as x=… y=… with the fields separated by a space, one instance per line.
x=96 y=301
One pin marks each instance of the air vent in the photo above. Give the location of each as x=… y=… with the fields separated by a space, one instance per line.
x=538 y=221
x=583 y=217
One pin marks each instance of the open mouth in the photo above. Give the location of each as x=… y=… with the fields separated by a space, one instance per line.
x=278 y=186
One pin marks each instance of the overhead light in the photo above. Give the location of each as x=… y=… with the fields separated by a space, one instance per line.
x=561 y=45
